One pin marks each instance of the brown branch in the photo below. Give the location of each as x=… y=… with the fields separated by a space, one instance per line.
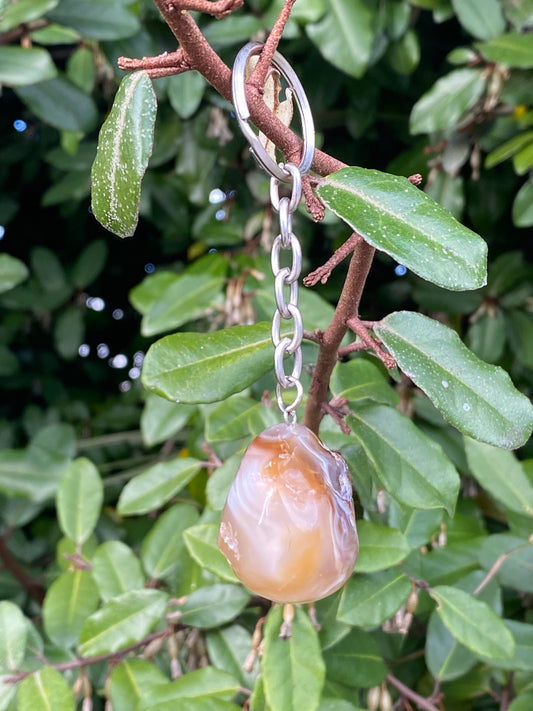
x=408 y=693
x=262 y=68
x=164 y=65
x=323 y=273
x=314 y=204
x=347 y=307
x=218 y=9
x=498 y=564
x=360 y=330
x=34 y=588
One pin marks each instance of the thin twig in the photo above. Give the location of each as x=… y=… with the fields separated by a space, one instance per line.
x=404 y=690
x=357 y=327
x=323 y=273
x=498 y=564
x=261 y=70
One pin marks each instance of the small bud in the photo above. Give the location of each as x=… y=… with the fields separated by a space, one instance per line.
x=373 y=698
x=385 y=703
x=412 y=601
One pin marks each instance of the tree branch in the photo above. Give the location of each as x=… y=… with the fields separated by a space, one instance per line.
x=34 y=588
x=408 y=693
x=323 y=273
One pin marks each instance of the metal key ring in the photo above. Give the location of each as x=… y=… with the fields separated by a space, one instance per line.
x=243 y=114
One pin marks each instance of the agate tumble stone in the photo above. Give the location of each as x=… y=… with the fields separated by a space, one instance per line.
x=288 y=526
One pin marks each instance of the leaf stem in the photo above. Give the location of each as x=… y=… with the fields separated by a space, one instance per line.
x=408 y=693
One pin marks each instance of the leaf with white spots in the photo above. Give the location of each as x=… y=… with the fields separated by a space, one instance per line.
x=477 y=398
x=397 y=218
x=124 y=148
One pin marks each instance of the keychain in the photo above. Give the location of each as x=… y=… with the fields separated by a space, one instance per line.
x=288 y=526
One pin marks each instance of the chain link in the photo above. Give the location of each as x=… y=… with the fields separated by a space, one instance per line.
x=287 y=276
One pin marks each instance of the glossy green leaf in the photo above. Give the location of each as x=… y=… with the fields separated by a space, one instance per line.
x=449 y=98
x=356 y=661
x=68 y=603
x=131 y=681
x=481 y=18
x=12 y=272
x=124 y=148
x=359 y=379
x=219 y=483
x=60 y=104
x=164 y=544
x=501 y=474
x=24 y=11
x=157 y=485
x=417 y=525
x=116 y=569
x=204 y=684
x=473 y=622
x=409 y=465
x=522 y=702
x=380 y=547
x=101 y=19
x=448 y=191
x=201 y=542
x=230 y=420
x=517 y=560
x=161 y=419
x=508 y=149
x=228 y=649
x=13 y=636
x=477 y=398
x=445 y=565
x=345 y=34
x=523 y=657
x=403 y=55
x=523 y=160
x=122 y=621
x=186 y=299
x=200 y=703
x=369 y=599
x=207 y=367
x=486 y=336
x=185 y=92
x=34 y=473
x=79 y=500
x=45 y=690
x=293 y=669
x=523 y=206
x=213 y=605
x=512 y=49
x=446 y=657
x=21 y=66
x=397 y=218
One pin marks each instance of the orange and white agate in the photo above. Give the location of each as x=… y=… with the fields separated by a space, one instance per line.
x=288 y=526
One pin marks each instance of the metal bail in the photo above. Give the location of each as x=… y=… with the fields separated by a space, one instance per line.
x=243 y=114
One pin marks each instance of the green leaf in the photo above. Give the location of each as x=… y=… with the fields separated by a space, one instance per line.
x=523 y=658
x=508 y=149
x=473 y=623
x=79 y=500
x=13 y=636
x=219 y=483
x=231 y=419
x=482 y=18
x=207 y=367
x=380 y=547
x=517 y=557
x=486 y=336
x=399 y=219
x=124 y=148
x=213 y=605
x=161 y=419
x=157 y=485
x=356 y=661
x=522 y=702
x=368 y=600
x=12 y=272
x=207 y=683
x=68 y=603
x=21 y=66
x=185 y=92
x=501 y=474
x=345 y=34
x=60 y=104
x=293 y=669
x=200 y=703
x=116 y=569
x=403 y=54
x=440 y=108
x=89 y=264
x=185 y=299
x=408 y=464
x=23 y=11
x=228 y=649
x=47 y=268
x=201 y=542
x=100 y=19
x=477 y=398
x=45 y=690
x=164 y=544
x=360 y=379
x=520 y=330
x=523 y=206
x=131 y=681
x=512 y=49
x=122 y=621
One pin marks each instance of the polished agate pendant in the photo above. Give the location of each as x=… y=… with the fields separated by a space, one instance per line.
x=288 y=526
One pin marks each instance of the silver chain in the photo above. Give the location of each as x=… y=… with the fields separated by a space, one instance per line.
x=284 y=277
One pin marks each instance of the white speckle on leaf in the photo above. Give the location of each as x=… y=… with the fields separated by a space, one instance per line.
x=466 y=407
x=444 y=383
